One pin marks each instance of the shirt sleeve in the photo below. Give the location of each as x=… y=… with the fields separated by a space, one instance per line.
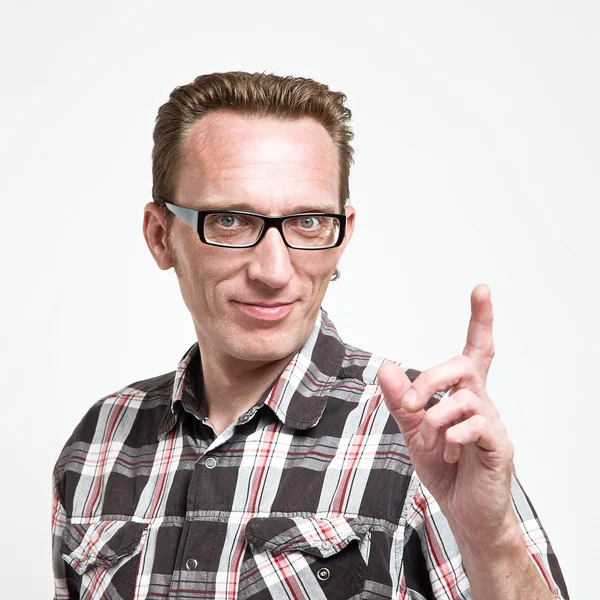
x=537 y=542
x=442 y=575
x=62 y=590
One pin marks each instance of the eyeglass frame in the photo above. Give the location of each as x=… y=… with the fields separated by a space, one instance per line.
x=195 y=219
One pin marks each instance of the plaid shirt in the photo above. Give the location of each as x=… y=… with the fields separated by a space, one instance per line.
x=310 y=494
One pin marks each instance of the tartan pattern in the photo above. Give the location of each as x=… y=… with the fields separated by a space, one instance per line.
x=310 y=494
x=100 y=544
x=321 y=537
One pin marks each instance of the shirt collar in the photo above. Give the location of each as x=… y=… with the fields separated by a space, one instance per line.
x=298 y=396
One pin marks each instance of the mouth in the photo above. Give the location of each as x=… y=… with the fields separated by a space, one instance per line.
x=264 y=311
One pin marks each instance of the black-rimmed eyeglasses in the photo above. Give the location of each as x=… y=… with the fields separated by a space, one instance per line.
x=239 y=229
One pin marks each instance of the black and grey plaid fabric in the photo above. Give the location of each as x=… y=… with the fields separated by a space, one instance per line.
x=310 y=494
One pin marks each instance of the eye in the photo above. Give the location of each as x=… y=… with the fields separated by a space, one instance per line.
x=227 y=220
x=308 y=222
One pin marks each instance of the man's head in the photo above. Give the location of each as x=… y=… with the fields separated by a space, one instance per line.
x=263 y=144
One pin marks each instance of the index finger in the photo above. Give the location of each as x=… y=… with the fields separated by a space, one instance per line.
x=480 y=341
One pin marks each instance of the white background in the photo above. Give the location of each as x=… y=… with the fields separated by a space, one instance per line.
x=477 y=159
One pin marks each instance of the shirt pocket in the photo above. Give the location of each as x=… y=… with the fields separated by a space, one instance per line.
x=104 y=556
x=304 y=557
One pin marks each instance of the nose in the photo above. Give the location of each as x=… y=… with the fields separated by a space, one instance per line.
x=270 y=262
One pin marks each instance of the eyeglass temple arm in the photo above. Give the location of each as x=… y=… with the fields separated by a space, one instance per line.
x=189 y=215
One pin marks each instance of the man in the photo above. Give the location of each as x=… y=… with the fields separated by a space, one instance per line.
x=277 y=461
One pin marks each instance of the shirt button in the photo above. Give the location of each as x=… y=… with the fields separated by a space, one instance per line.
x=210 y=463
x=325 y=545
x=191 y=564
x=323 y=574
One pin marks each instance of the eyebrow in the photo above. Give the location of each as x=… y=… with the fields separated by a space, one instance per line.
x=225 y=204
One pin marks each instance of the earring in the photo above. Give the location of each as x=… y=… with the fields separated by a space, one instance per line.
x=336 y=275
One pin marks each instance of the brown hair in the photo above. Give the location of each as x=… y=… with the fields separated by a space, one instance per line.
x=254 y=94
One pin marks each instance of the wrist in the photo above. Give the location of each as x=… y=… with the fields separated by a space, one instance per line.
x=504 y=541
x=501 y=568
x=504 y=548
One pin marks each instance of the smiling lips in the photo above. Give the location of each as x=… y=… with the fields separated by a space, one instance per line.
x=266 y=311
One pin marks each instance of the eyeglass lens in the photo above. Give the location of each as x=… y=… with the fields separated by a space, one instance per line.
x=305 y=231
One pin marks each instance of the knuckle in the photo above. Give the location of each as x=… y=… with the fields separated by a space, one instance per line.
x=470 y=401
x=432 y=421
x=479 y=423
x=423 y=382
x=465 y=402
x=510 y=451
x=452 y=437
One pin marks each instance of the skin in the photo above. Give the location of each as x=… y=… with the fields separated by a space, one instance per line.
x=462 y=454
x=459 y=448
x=269 y=167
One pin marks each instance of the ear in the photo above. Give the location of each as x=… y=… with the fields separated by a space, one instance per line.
x=350 y=216
x=155 y=233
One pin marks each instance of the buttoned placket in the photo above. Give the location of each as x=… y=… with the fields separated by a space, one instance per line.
x=197 y=542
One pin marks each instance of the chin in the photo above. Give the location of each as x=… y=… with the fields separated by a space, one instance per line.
x=264 y=346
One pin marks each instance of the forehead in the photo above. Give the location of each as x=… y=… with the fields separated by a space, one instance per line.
x=263 y=162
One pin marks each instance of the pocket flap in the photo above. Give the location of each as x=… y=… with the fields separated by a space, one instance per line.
x=319 y=536
x=100 y=544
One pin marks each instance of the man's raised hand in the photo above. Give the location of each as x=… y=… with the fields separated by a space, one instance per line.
x=459 y=447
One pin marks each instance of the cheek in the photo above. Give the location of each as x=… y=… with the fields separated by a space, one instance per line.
x=207 y=272
x=325 y=262
x=190 y=267
x=317 y=269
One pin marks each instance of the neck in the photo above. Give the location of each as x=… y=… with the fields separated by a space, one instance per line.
x=232 y=386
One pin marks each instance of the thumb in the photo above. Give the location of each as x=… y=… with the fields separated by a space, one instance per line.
x=394 y=383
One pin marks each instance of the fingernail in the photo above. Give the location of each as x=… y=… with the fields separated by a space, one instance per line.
x=451 y=455
x=410 y=398
x=420 y=441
